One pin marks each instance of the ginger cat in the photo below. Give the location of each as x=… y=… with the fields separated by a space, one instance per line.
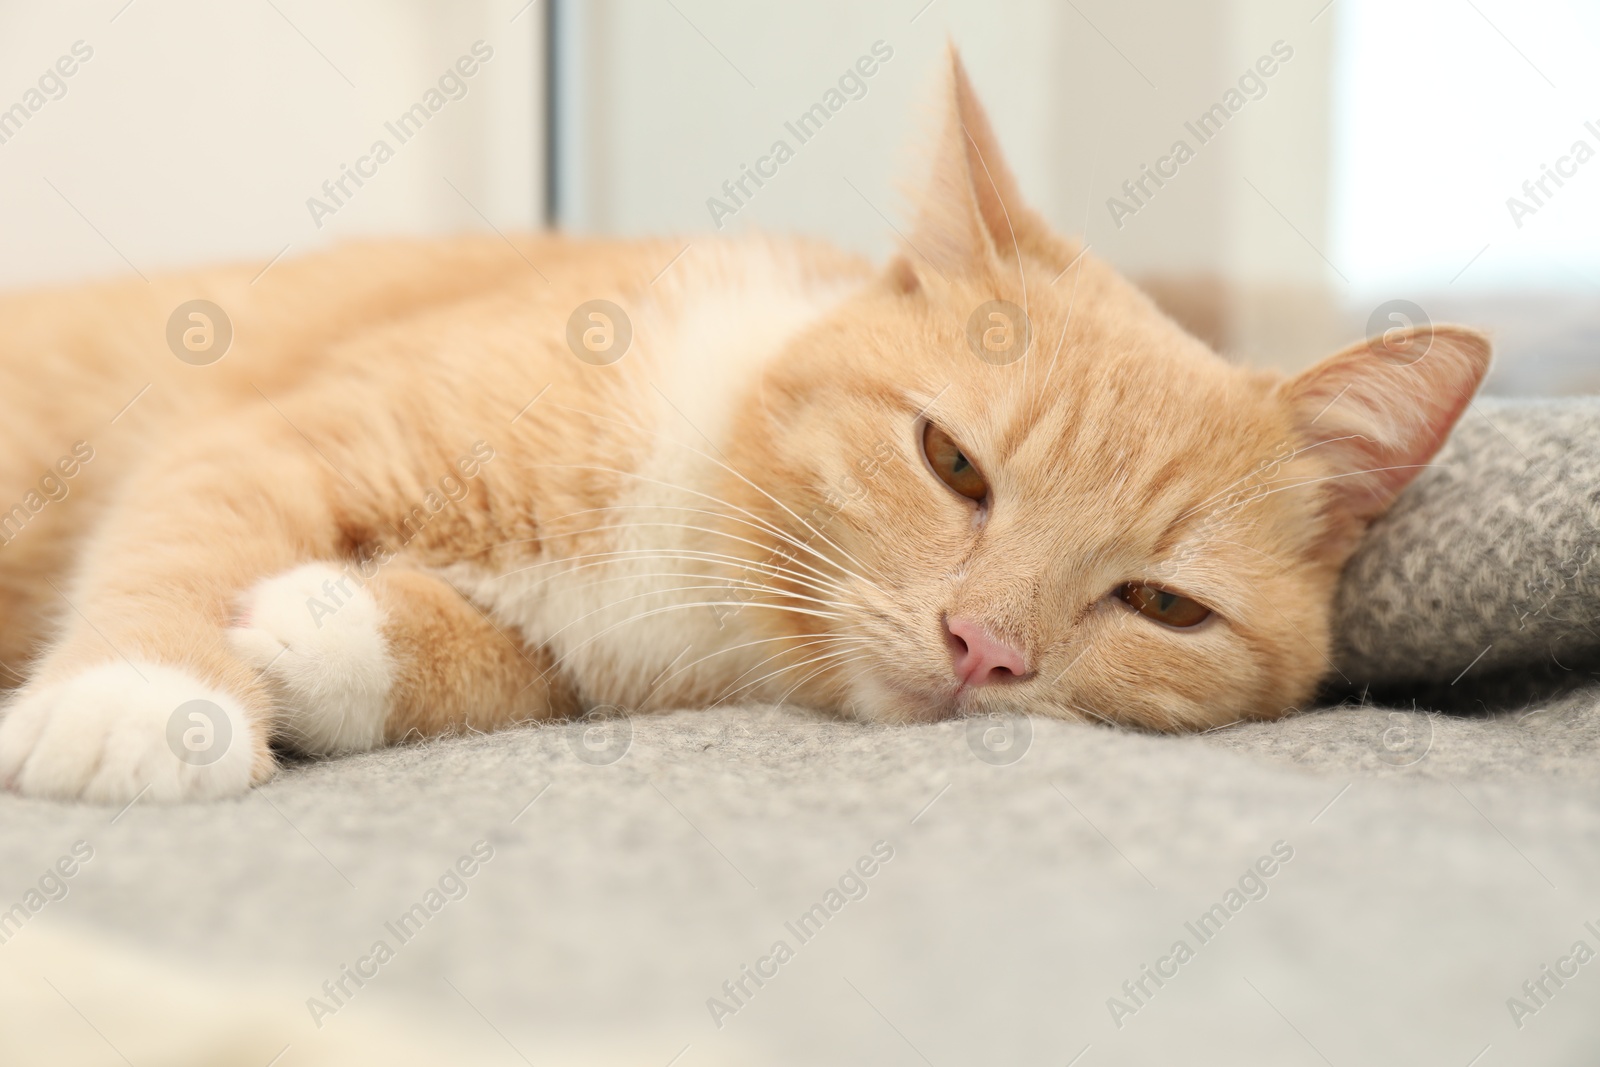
x=420 y=493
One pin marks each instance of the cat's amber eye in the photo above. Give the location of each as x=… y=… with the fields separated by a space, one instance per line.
x=951 y=464
x=1166 y=607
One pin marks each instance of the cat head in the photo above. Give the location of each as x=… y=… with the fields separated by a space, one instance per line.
x=1014 y=484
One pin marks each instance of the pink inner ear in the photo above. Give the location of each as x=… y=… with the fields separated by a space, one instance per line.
x=1374 y=418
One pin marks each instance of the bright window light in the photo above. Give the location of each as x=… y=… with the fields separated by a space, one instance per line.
x=1443 y=110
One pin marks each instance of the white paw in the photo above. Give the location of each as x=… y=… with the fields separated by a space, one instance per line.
x=318 y=637
x=119 y=730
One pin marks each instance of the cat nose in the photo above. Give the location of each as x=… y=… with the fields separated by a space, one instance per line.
x=978 y=658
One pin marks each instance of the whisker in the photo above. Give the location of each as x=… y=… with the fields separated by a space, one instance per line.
x=729 y=585
x=730 y=470
x=1329 y=478
x=772 y=527
x=757 y=666
x=759 y=525
x=679 y=526
x=695 y=511
x=856 y=658
x=730 y=582
x=1071 y=304
x=1261 y=467
x=681 y=589
x=793 y=666
x=819 y=639
x=1252 y=548
x=781 y=534
x=621 y=555
x=683 y=607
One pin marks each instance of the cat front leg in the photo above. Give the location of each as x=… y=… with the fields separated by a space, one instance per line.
x=185 y=645
x=360 y=656
x=140 y=693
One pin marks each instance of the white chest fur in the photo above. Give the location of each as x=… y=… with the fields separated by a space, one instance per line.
x=648 y=621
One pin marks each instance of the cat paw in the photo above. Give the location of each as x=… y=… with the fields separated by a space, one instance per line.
x=317 y=636
x=122 y=730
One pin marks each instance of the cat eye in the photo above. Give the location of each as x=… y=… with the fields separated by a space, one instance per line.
x=1164 y=606
x=951 y=464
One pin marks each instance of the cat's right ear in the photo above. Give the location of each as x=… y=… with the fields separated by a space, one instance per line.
x=1377 y=412
x=970 y=215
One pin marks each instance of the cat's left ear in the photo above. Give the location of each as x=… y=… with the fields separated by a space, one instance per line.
x=970 y=215
x=1378 y=411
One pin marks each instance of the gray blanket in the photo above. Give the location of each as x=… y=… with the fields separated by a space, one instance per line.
x=1479 y=589
x=1360 y=884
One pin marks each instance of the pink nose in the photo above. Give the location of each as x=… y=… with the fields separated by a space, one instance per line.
x=978 y=658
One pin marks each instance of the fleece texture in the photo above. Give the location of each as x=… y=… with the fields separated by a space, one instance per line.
x=1486 y=566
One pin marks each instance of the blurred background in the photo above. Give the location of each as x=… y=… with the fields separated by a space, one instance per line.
x=1376 y=162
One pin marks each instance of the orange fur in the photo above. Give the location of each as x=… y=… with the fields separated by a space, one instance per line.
x=738 y=509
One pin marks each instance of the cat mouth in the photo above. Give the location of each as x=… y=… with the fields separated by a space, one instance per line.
x=934 y=703
x=967 y=700
x=910 y=699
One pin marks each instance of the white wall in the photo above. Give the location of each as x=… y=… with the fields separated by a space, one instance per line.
x=1446 y=111
x=197 y=131
x=1376 y=165
x=1080 y=100
x=670 y=99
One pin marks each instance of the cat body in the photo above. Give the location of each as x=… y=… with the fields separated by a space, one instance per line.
x=446 y=485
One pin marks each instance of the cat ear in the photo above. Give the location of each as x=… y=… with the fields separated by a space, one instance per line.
x=1378 y=411
x=970 y=214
